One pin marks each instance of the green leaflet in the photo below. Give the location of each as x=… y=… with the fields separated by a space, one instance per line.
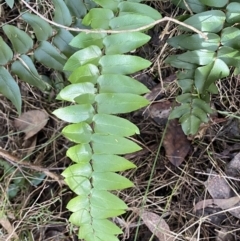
x=112 y=144
x=85 y=73
x=98 y=18
x=196 y=6
x=61 y=13
x=80 y=153
x=6 y=53
x=10 y=3
x=130 y=21
x=195 y=42
x=110 y=181
x=41 y=28
x=49 y=56
x=78 y=133
x=122 y=64
x=61 y=41
x=84 y=40
x=124 y=42
x=199 y=57
x=75 y=113
x=77 y=8
x=208 y=21
x=26 y=71
x=215 y=3
x=138 y=8
x=70 y=92
x=205 y=76
x=118 y=103
x=89 y=55
x=232 y=14
x=10 y=89
x=114 y=125
x=108 y=4
x=116 y=83
x=230 y=37
x=110 y=163
x=20 y=40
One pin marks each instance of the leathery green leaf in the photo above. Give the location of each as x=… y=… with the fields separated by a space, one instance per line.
x=116 y=83
x=61 y=40
x=190 y=124
x=139 y=8
x=105 y=199
x=208 y=21
x=21 y=41
x=81 y=217
x=88 y=55
x=180 y=111
x=61 y=13
x=98 y=18
x=6 y=53
x=233 y=12
x=79 y=185
x=231 y=37
x=41 y=28
x=177 y=63
x=84 y=40
x=199 y=57
x=108 y=4
x=75 y=113
x=10 y=89
x=130 y=21
x=114 y=125
x=70 y=92
x=195 y=41
x=110 y=181
x=49 y=56
x=206 y=75
x=101 y=213
x=124 y=42
x=78 y=170
x=110 y=163
x=78 y=133
x=87 y=98
x=122 y=64
x=111 y=144
x=117 y=103
x=215 y=3
x=25 y=69
x=10 y=3
x=196 y=6
x=85 y=73
x=80 y=153
x=77 y=8
x=229 y=56
x=78 y=203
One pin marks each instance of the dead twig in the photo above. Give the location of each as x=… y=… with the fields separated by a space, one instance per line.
x=18 y=162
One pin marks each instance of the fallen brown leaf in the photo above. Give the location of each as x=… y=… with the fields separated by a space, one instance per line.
x=159 y=112
x=31 y=122
x=157 y=226
x=221 y=203
x=233 y=167
x=218 y=187
x=176 y=143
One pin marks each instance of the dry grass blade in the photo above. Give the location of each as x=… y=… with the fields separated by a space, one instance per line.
x=31 y=122
x=8 y=226
x=157 y=226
